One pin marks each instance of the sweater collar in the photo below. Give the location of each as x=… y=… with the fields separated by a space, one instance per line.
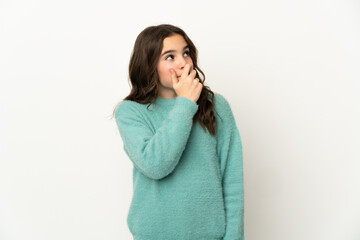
x=165 y=101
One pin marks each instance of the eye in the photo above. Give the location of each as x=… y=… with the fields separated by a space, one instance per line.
x=186 y=53
x=170 y=56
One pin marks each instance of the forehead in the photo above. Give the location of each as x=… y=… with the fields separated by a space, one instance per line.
x=174 y=42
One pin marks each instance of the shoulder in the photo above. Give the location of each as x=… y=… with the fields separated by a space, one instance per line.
x=225 y=119
x=222 y=105
x=126 y=107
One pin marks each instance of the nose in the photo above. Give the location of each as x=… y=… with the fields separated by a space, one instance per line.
x=181 y=62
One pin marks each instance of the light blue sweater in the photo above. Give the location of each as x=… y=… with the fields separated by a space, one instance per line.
x=187 y=184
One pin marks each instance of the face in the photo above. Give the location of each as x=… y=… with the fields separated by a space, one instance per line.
x=175 y=54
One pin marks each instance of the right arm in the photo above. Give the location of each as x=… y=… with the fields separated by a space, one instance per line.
x=156 y=154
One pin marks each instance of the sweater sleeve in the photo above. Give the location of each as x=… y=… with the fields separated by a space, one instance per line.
x=155 y=154
x=229 y=150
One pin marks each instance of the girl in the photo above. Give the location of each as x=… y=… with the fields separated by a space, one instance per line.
x=188 y=165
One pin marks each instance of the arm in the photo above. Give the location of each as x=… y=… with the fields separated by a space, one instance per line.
x=231 y=158
x=156 y=154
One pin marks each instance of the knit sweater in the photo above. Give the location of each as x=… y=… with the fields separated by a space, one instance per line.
x=187 y=183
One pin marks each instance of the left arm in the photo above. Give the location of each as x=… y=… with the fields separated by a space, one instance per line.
x=231 y=161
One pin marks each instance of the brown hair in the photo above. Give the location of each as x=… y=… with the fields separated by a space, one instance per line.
x=145 y=80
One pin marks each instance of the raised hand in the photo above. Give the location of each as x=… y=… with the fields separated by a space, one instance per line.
x=187 y=85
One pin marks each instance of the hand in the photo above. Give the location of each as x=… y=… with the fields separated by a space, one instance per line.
x=187 y=86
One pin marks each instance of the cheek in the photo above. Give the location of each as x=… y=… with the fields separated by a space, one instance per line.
x=164 y=71
x=189 y=61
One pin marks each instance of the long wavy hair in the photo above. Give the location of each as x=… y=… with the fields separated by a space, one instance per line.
x=144 y=77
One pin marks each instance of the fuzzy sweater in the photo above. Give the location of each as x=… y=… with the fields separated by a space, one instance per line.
x=187 y=184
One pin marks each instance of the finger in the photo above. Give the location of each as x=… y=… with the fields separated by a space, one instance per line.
x=199 y=84
x=173 y=76
x=186 y=71
x=198 y=81
x=193 y=73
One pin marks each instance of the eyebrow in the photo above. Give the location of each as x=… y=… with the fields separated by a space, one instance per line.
x=169 y=51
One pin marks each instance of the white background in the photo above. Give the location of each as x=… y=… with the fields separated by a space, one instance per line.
x=290 y=70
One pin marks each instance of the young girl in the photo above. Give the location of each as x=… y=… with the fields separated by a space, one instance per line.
x=188 y=165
